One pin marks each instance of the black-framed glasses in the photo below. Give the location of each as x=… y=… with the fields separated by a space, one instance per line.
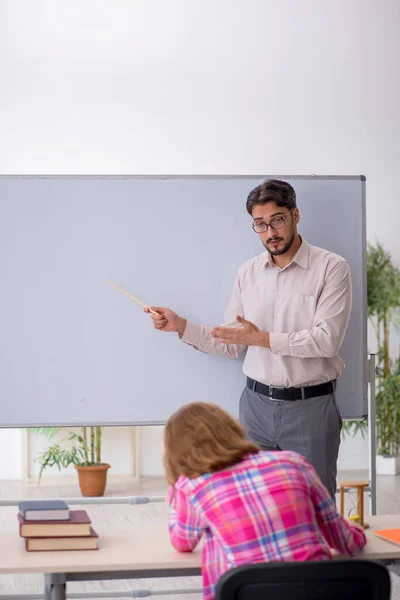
x=277 y=223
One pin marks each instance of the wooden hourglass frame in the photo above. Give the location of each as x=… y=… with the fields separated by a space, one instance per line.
x=359 y=486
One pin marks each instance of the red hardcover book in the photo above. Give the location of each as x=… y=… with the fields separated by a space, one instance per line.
x=77 y=525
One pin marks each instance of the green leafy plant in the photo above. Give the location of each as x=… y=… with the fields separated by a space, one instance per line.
x=388 y=415
x=84 y=451
x=383 y=299
x=383 y=296
x=354 y=427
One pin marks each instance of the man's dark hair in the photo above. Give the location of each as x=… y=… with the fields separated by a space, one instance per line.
x=272 y=190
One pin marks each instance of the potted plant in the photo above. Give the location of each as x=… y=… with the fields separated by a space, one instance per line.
x=383 y=297
x=83 y=450
x=388 y=424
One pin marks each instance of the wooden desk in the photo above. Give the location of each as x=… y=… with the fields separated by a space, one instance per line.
x=376 y=548
x=127 y=552
x=137 y=552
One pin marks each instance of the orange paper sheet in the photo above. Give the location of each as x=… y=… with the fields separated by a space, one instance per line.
x=391 y=535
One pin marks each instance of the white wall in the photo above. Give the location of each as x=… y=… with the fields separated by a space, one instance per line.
x=204 y=86
x=150 y=460
x=11 y=454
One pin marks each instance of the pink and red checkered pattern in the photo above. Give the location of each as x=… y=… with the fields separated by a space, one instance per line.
x=271 y=506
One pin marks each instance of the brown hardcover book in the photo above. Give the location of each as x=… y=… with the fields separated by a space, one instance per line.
x=62 y=543
x=77 y=525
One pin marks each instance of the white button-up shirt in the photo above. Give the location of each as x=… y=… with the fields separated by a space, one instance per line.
x=306 y=309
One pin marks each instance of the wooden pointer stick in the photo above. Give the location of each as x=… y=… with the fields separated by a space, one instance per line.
x=132 y=297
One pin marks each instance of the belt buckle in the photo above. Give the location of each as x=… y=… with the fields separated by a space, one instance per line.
x=275 y=387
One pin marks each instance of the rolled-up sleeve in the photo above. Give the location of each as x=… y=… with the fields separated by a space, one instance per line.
x=332 y=316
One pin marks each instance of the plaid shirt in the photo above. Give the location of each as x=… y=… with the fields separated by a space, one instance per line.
x=271 y=506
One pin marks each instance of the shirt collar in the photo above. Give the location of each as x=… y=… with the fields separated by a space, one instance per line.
x=302 y=256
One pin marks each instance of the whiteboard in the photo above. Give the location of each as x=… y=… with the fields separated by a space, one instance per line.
x=74 y=351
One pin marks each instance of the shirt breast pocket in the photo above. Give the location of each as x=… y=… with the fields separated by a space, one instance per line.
x=301 y=312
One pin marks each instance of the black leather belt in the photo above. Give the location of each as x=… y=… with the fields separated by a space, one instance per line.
x=294 y=393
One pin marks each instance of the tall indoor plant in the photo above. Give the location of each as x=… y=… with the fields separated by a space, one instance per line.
x=383 y=298
x=383 y=288
x=83 y=450
x=388 y=414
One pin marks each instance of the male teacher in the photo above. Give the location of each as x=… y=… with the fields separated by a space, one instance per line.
x=290 y=308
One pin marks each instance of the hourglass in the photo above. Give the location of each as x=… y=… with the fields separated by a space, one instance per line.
x=358 y=507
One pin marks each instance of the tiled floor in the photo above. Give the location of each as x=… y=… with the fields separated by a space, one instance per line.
x=388 y=501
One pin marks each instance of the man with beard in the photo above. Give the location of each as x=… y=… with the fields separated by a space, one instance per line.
x=290 y=308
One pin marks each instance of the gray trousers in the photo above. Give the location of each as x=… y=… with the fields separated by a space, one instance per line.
x=310 y=427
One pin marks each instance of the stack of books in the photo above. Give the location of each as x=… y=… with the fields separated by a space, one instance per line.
x=51 y=525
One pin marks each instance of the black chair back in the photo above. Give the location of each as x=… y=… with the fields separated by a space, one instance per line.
x=312 y=580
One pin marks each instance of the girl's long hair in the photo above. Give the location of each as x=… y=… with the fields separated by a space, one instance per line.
x=202 y=438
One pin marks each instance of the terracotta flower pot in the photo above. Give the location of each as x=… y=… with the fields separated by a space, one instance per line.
x=92 y=479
